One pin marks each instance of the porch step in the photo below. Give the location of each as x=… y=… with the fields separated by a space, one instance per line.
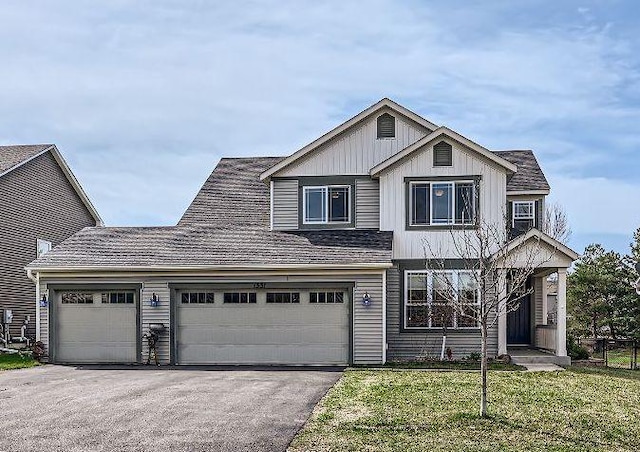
x=542 y=358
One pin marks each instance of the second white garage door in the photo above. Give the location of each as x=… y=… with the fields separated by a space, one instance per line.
x=263 y=327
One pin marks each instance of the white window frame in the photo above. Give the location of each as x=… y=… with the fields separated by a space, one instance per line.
x=452 y=205
x=531 y=217
x=429 y=274
x=40 y=243
x=326 y=189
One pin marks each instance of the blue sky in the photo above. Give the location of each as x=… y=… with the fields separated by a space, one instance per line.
x=144 y=97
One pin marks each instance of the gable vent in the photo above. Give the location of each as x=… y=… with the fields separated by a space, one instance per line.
x=442 y=154
x=386 y=126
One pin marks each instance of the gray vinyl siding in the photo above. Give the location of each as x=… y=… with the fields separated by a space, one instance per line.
x=157 y=314
x=285 y=204
x=404 y=345
x=36 y=202
x=366 y=321
x=367 y=204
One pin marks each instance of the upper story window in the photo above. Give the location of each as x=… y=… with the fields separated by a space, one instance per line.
x=524 y=214
x=386 y=126
x=327 y=204
x=442 y=203
x=443 y=154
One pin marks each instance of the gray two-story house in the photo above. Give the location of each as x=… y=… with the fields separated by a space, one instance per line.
x=313 y=258
x=41 y=204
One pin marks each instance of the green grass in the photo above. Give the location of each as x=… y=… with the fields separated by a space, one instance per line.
x=580 y=409
x=451 y=365
x=16 y=361
x=620 y=357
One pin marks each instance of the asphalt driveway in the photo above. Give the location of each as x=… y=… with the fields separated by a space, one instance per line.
x=59 y=408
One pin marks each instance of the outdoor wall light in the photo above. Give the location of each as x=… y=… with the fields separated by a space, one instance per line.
x=43 y=301
x=155 y=301
x=366 y=299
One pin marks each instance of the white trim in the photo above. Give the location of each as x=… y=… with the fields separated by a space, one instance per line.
x=455 y=273
x=384 y=317
x=437 y=134
x=388 y=103
x=531 y=217
x=527 y=192
x=271 y=205
x=363 y=266
x=37 y=307
x=536 y=233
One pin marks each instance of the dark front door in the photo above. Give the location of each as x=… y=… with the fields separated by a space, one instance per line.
x=519 y=323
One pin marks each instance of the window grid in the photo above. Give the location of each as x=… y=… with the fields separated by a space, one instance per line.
x=240 y=297
x=428 y=299
x=76 y=298
x=335 y=204
x=283 y=297
x=326 y=297
x=117 y=298
x=426 y=207
x=197 y=298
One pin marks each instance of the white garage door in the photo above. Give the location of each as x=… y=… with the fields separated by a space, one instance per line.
x=96 y=327
x=263 y=327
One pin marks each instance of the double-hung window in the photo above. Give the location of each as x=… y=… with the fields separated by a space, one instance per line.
x=437 y=299
x=327 y=204
x=523 y=215
x=442 y=203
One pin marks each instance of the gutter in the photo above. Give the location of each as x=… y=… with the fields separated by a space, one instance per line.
x=363 y=266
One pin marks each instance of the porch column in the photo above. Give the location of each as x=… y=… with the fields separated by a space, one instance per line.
x=502 y=312
x=561 y=314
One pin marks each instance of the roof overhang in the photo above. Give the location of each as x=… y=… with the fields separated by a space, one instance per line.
x=188 y=268
x=552 y=252
x=384 y=103
x=436 y=134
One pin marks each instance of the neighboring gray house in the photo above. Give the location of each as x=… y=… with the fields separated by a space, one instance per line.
x=41 y=204
x=313 y=258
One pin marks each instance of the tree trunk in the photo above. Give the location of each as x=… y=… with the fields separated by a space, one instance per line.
x=483 y=371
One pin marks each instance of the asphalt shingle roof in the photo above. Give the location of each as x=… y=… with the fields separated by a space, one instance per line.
x=13 y=155
x=529 y=175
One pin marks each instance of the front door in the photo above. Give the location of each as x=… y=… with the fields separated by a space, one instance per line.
x=519 y=323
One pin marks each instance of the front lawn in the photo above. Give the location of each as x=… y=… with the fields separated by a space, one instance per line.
x=16 y=361
x=575 y=410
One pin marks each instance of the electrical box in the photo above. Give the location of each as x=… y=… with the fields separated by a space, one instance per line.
x=7 y=316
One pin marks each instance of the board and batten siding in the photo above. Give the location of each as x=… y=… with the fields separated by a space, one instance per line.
x=285 y=204
x=410 y=244
x=357 y=150
x=367 y=204
x=37 y=201
x=408 y=345
x=157 y=314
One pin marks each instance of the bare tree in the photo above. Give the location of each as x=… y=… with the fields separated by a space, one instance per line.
x=491 y=279
x=555 y=223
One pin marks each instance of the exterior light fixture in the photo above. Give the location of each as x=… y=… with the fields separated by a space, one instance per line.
x=366 y=299
x=439 y=193
x=154 y=301
x=43 y=301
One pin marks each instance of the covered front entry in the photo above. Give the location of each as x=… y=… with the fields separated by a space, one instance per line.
x=240 y=325
x=96 y=326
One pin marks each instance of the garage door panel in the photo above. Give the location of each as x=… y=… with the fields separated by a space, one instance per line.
x=262 y=333
x=96 y=332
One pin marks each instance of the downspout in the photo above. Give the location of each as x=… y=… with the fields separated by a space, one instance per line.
x=384 y=317
x=36 y=281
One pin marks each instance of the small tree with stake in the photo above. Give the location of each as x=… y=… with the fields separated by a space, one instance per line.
x=496 y=278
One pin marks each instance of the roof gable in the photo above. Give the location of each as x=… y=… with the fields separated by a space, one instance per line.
x=15 y=156
x=384 y=104
x=529 y=176
x=435 y=135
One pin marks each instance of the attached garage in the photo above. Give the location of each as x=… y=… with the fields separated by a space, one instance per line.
x=96 y=326
x=263 y=326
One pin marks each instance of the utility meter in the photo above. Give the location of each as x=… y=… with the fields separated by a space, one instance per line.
x=8 y=316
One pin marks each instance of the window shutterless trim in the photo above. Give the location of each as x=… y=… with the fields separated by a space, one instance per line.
x=326 y=193
x=429 y=301
x=431 y=180
x=531 y=217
